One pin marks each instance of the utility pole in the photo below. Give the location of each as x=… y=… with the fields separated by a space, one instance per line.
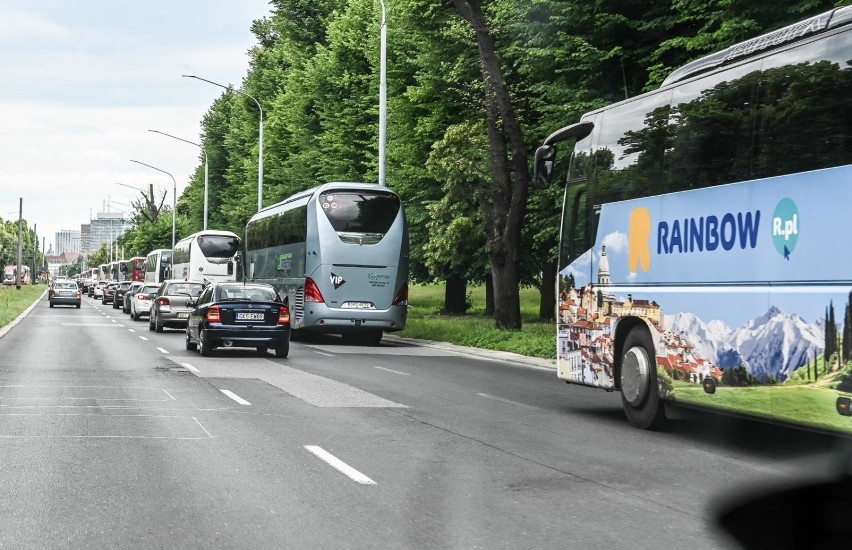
x=20 y=242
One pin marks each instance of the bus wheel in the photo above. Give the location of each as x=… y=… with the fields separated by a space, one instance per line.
x=205 y=348
x=372 y=337
x=261 y=350
x=638 y=374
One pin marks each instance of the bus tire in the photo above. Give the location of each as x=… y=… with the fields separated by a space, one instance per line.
x=190 y=345
x=372 y=337
x=261 y=350
x=283 y=349
x=205 y=347
x=638 y=379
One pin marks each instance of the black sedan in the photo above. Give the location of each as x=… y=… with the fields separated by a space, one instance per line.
x=120 y=291
x=239 y=315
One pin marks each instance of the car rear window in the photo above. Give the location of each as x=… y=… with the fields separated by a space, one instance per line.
x=64 y=285
x=193 y=289
x=149 y=289
x=253 y=293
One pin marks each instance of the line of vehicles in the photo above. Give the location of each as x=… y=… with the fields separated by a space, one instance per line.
x=335 y=258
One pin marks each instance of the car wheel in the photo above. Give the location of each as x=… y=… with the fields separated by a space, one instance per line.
x=51 y=304
x=205 y=347
x=133 y=315
x=151 y=323
x=261 y=350
x=157 y=326
x=78 y=306
x=283 y=349
x=190 y=345
x=638 y=377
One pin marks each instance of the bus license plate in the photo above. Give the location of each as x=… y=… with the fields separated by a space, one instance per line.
x=358 y=305
x=249 y=316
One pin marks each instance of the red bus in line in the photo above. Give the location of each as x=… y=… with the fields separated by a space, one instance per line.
x=133 y=269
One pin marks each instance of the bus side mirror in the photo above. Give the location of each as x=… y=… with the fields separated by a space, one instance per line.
x=544 y=162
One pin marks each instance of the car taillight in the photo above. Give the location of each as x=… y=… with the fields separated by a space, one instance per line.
x=284 y=315
x=163 y=301
x=52 y=293
x=213 y=315
x=312 y=293
x=142 y=297
x=78 y=294
x=401 y=298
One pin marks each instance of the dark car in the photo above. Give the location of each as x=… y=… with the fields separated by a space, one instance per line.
x=170 y=308
x=109 y=293
x=128 y=295
x=239 y=315
x=120 y=291
x=64 y=293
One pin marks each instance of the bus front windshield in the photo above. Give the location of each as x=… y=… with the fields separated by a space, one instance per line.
x=218 y=246
x=360 y=211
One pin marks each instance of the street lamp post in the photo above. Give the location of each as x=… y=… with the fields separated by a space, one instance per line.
x=383 y=97
x=259 y=139
x=206 y=165
x=174 y=194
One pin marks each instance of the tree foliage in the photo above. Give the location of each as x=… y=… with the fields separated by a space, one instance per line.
x=473 y=88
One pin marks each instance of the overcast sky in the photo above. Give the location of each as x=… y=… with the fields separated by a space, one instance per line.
x=82 y=81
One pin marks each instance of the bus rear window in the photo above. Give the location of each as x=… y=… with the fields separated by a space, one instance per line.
x=219 y=246
x=360 y=211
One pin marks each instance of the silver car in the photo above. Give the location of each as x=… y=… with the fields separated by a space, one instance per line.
x=132 y=291
x=140 y=303
x=169 y=307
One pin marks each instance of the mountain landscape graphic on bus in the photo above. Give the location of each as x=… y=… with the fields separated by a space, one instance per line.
x=770 y=346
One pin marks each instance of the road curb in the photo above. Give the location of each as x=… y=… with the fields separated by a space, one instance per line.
x=501 y=356
x=20 y=317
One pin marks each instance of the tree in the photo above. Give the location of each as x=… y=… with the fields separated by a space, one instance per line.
x=509 y=170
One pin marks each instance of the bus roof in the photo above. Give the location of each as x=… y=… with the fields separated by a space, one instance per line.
x=831 y=19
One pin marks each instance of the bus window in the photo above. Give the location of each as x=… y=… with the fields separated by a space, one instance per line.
x=361 y=212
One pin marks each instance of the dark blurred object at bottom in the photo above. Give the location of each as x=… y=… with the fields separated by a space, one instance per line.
x=816 y=515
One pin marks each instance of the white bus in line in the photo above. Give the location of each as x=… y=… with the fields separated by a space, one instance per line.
x=158 y=265
x=338 y=255
x=207 y=256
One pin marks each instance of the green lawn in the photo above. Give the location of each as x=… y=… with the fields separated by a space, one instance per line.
x=14 y=301
x=536 y=339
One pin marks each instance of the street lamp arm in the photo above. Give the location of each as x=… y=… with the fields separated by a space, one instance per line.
x=206 y=168
x=259 y=137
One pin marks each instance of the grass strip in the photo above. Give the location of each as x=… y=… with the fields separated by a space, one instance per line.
x=13 y=301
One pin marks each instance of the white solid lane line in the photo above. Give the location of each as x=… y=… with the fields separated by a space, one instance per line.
x=235 y=397
x=393 y=371
x=339 y=465
x=189 y=367
x=510 y=402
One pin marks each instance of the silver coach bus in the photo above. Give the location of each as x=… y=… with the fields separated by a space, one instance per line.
x=338 y=255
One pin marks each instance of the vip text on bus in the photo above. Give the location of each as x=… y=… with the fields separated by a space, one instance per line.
x=701 y=261
x=338 y=254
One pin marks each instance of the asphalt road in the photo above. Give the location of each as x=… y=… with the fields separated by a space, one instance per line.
x=115 y=436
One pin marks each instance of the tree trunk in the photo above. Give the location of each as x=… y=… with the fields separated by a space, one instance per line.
x=510 y=172
x=455 y=296
x=489 y=295
x=547 y=305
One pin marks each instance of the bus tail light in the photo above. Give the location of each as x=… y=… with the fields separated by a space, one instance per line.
x=401 y=298
x=213 y=315
x=284 y=315
x=312 y=292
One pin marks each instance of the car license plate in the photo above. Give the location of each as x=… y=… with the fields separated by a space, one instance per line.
x=249 y=316
x=65 y=294
x=183 y=315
